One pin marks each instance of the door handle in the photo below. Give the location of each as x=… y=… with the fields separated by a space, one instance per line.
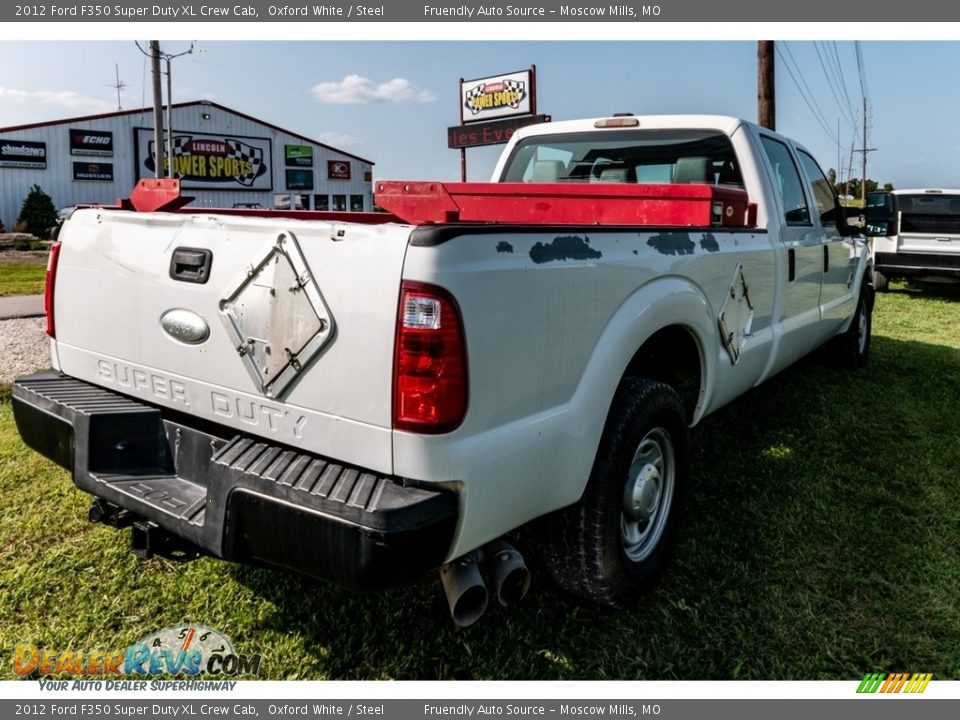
x=826 y=258
x=191 y=264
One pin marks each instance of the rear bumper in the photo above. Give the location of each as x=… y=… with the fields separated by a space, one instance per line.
x=917 y=264
x=233 y=496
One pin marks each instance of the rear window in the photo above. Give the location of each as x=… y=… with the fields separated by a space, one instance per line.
x=626 y=156
x=929 y=213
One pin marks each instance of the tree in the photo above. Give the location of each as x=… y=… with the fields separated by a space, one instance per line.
x=852 y=187
x=38 y=213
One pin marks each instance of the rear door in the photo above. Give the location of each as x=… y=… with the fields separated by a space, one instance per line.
x=838 y=253
x=804 y=256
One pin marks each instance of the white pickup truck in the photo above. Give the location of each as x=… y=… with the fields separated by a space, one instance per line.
x=363 y=397
x=914 y=234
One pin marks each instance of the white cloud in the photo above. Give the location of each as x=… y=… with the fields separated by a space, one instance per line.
x=358 y=90
x=338 y=139
x=61 y=98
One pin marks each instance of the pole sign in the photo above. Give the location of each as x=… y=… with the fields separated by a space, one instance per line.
x=497 y=97
x=91 y=142
x=23 y=154
x=211 y=161
x=96 y=171
x=494 y=132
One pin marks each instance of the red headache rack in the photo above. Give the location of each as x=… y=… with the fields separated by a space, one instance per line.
x=626 y=204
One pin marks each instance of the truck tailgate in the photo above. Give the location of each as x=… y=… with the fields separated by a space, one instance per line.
x=274 y=327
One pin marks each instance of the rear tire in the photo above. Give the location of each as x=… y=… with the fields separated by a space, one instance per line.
x=881 y=283
x=613 y=545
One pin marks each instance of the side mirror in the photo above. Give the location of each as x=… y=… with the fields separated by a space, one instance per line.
x=880 y=219
x=842 y=214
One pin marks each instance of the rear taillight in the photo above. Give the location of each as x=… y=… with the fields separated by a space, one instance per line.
x=430 y=361
x=48 y=290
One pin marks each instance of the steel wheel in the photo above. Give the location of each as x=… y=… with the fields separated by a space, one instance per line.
x=647 y=495
x=613 y=544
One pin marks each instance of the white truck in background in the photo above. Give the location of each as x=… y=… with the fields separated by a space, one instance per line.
x=363 y=398
x=914 y=234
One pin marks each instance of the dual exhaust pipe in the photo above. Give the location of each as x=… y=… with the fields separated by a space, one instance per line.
x=464 y=585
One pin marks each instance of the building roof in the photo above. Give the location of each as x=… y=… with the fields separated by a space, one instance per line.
x=206 y=103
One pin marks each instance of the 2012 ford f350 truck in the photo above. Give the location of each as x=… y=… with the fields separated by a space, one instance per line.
x=364 y=397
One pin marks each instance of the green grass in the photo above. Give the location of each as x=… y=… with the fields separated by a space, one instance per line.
x=21 y=279
x=821 y=542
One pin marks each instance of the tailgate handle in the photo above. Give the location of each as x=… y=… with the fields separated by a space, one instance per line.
x=191 y=264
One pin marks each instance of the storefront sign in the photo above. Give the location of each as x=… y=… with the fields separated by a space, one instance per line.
x=91 y=142
x=299 y=179
x=97 y=171
x=212 y=161
x=298 y=155
x=499 y=96
x=338 y=169
x=23 y=154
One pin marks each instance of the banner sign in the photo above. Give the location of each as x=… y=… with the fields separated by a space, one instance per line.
x=299 y=179
x=211 y=161
x=99 y=172
x=489 y=133
x=496 y=97
x=298 y=155
x=338 y=169
x=23 y=154
x=91 y=142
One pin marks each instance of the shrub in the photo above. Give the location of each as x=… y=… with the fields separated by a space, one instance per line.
x=38 y=213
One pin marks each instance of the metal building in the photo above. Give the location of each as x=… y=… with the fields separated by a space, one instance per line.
x=222 y=157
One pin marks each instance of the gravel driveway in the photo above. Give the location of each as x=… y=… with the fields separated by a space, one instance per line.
x=24 y=347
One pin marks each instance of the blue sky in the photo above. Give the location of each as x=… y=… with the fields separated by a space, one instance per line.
x=391 y=102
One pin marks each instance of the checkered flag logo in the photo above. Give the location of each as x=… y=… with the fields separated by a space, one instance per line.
x=246 y=154
x=471 y=95
x=510 y=94
x=517 y=88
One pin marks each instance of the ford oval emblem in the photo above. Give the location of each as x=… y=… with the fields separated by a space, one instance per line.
x=185 y=326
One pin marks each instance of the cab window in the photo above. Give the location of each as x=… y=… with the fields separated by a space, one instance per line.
x=820 y=189
x=788 y=182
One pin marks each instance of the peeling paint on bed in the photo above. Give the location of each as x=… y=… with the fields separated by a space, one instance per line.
x=672 y=243
x=564 y=247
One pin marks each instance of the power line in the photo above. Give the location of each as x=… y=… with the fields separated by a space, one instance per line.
x=844 y=110
x=843 y=79
x=817 y=114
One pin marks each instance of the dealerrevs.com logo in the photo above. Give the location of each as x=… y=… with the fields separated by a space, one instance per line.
x=894 y=683
x=189 y=650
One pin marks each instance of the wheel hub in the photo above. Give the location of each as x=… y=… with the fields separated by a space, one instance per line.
x=644 y=496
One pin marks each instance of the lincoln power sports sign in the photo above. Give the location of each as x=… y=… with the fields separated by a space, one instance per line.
x=496 y=97
x=212 y=161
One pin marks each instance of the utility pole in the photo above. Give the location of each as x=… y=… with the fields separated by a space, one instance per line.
x=168 y=57
x=157 y=109
x=864 y=151
x=766 y=97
